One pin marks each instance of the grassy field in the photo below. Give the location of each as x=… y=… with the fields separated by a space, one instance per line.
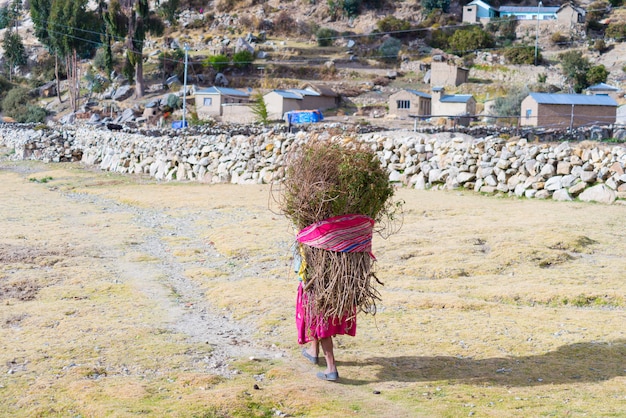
x=491 y=306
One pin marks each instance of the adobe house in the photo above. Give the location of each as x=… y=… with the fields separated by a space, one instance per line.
x=477 y=11
x=210 y=101
x=557 y=110
x=312 y=97
x=569 y=13
x=408 y=102
x=602 y=89
x=457 y=107
x=447 y=74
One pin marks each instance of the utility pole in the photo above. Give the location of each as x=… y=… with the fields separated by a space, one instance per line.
x=537 y=34
x=185 y=87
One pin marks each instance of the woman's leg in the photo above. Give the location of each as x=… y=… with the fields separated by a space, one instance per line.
x=327 y=346
x=314 y=348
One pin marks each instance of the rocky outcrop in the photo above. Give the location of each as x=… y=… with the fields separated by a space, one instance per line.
x=588 y=171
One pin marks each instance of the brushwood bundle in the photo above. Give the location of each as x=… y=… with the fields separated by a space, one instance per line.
x=329 y=185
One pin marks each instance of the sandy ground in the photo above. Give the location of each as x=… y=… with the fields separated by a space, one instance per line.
x=121 y=296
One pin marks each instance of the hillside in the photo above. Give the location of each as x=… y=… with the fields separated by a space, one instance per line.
x=288 y=52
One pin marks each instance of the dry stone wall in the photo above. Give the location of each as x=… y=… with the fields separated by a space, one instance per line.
x=589 y=171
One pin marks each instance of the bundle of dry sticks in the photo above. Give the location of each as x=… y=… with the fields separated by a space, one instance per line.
x=324 y=180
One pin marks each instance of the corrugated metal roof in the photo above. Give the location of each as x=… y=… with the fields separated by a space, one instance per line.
x=419 y=93
x=304 y=92
x=288 y=94
x=602 y=86
x=573 y=99
x=456 y=98
x=529 y=9
x=222 y=90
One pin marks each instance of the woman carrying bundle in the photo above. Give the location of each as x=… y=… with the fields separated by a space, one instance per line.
x=334 y=194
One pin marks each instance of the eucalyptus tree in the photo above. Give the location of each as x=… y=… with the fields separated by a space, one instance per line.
x=73 y=33
x=133 y=20
x=40 y=14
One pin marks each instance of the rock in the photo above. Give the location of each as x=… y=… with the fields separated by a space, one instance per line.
x=221 y=80
x=554 y=183
x=562 y=195
x=599 y=193
x=122 y=93
x=588 y=176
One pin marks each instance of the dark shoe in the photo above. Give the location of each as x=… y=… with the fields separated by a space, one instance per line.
x=309 y=357
x=331 y=377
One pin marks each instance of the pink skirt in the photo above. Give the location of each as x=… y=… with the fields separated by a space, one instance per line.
x=317 y=328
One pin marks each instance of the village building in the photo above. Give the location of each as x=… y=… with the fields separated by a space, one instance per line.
x=446 y=73
x=458 y=108
x=603 y=89
x=312 y=97
x=556 y=110
x=409 y=103
x=210 y=102
x=480 y=11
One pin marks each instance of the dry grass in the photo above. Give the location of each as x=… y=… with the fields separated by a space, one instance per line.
x=491 y=306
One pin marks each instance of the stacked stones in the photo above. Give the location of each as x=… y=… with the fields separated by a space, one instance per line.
x=588 y=171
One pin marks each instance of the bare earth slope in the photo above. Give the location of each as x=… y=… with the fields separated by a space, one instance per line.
x=120 y=296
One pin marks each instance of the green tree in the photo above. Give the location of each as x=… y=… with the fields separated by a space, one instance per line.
x=72 y=31
x=325 y=36
x=259 y=108
x=14 y=51
x=169 y=10
x=218 y=62
x=133 y=20
x=40 y=14
x=523 y=54
x=430 y=5
x=4 y=17
x=393 y=24
x=390 y=49
x=509 y=105
x=243 y=59
x=575 y=68
x=597 y=74
x=16 y=105
x=466 y=40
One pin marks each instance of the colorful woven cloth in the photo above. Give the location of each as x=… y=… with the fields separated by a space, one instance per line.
x=344 y=233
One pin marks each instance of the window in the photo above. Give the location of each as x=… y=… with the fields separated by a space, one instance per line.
x=529 y=112
x=208 y=101
x=403 y=104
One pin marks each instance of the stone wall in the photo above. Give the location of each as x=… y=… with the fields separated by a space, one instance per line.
x=589 y=171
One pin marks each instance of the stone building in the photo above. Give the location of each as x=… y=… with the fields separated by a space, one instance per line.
x=408 y=103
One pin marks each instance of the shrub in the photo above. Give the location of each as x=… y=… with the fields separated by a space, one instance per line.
x=464 y=40
x=351 y=7
x=519 y=55
x=325 y=36
x=243 y=59
x=259 y=108
x=509 y=105
x=393 y=24
x=599 y=45
x=218 y=62
x=389 y=50
x=597 y=74
x=616 y=31
x=575 y=68
x=430 y=5
x=172 y=63
x=503 y=28
x=558 y=38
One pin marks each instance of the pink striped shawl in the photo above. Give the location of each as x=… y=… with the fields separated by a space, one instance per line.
x=344 y=233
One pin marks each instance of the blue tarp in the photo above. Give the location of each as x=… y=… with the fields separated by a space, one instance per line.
x=303 y=116
x=178 y=124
